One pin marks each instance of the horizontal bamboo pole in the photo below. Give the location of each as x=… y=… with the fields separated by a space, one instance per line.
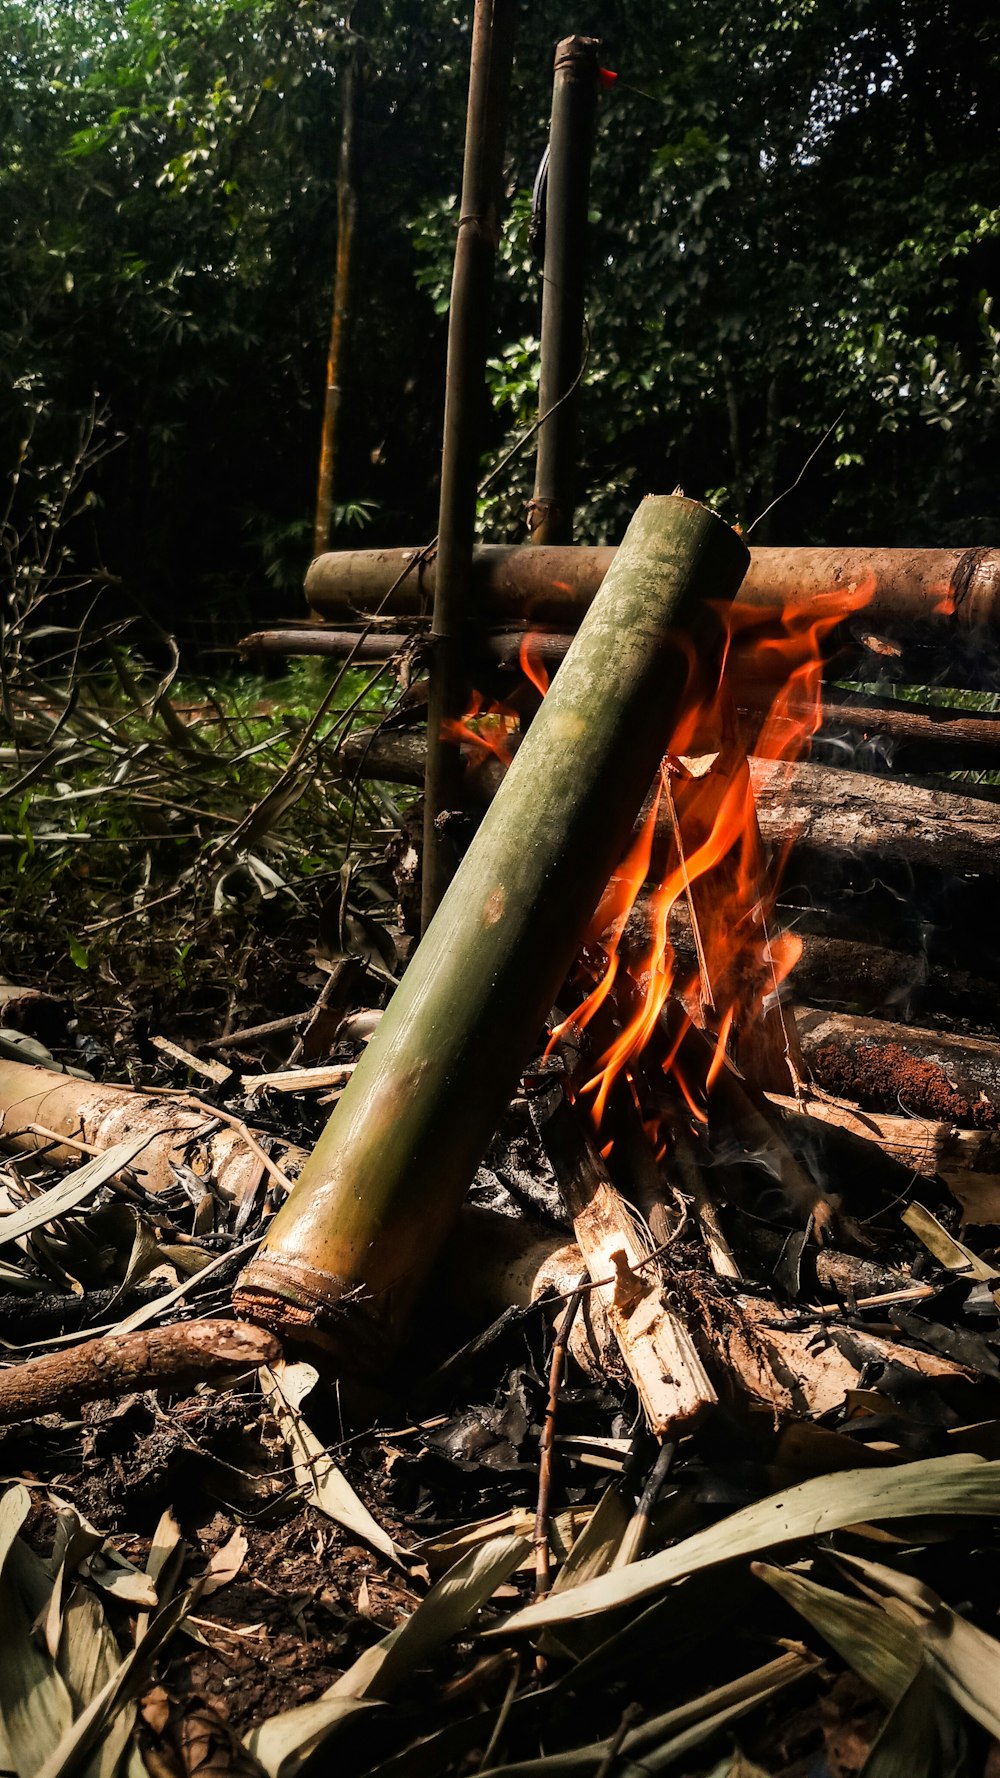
x=942 y=589
x=349 y=1250
x=916 y=737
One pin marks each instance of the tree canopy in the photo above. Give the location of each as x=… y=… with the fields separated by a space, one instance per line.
x=795 y=231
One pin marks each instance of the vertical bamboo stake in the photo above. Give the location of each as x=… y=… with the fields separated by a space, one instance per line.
x=468 y=339
x=347 y=1253
x=347 y=212
x=571 y=138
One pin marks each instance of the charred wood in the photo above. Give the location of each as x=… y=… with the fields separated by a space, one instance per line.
x=886 y=1067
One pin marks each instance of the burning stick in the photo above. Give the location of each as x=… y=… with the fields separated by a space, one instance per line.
x=347 y=1254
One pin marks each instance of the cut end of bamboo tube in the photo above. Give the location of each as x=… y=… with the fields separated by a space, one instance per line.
x=314 y=1310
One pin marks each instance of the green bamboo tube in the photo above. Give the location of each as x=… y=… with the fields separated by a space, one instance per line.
x=348 y=1251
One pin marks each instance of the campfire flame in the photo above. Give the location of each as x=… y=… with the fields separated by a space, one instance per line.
x=703 y=806
x=715 y=858
x=486 y=731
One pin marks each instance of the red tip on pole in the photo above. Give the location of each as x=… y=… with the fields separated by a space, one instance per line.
x=606 y=78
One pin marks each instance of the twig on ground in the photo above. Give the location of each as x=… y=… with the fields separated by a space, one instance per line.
x=175 y=1357
x=546 y=1442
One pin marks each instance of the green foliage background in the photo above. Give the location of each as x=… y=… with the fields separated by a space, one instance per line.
x=795 y=224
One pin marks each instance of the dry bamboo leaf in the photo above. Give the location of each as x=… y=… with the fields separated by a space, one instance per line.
x=35 y=1705
x=87 y=1659
x=912 y=1741
x=116 y=1694
x=80 y=1545
x=163 y=1565
x=824 y=1503
x=659 y=1743
x=885 y=1653
x=447 y=1608
x=70 y=1192
x=965 y=1661
x=226 y=1563
x=285 y=1742
x=595 y=1549
x=565 y=1530
x=946 y=1249
x=284 y=1388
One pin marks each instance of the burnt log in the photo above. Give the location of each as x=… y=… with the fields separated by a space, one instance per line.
x=837 y=972
x=886 y=1067
x=820 y=810
x=925 y=738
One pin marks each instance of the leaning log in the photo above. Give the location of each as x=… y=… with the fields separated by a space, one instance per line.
x=946 y=590
x=347 y=1253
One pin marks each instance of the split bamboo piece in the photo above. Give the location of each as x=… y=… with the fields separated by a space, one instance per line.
x=967 y=1160
x=671 y=1381
x=347 y=1253
x=63 y=1117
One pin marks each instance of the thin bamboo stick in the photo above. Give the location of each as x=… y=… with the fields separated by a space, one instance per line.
x=468 y=338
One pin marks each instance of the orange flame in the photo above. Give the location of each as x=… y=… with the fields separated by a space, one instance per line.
x=494 y=733
x=532 y=665
x=714 y=856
